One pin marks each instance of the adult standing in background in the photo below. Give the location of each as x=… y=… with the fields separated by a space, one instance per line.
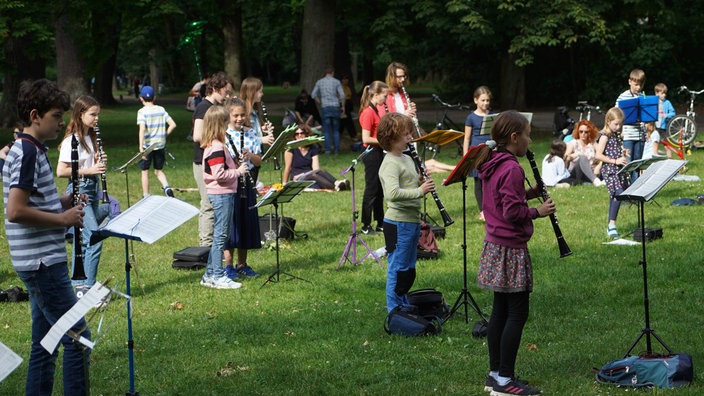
x=329 y=94
x=218 y=89
x=397 y=77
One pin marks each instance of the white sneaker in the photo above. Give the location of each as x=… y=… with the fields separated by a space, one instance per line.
x=562 y=185
x=225 y=283
x=598 y=182
x=207 y=281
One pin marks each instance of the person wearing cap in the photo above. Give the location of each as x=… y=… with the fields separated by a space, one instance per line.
x=152 y=121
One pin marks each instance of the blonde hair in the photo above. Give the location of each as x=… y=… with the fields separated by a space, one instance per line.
x=612 y=114
x=248 y=92
x=637 y=75
x=214 y=125
x=370 y=90
x=660 y=87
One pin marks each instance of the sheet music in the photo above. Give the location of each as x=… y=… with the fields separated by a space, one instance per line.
x=652 y=180
x=304 y=142
x=149 y=219
x=9 y=361
x=621 y=241
x=72 y=316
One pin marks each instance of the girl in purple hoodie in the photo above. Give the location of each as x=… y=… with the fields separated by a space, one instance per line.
x=505 y=266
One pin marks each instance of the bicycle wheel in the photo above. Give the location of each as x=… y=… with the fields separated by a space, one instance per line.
x=681 y=127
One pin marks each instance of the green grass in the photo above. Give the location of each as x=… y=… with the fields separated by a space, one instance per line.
x=325 y=336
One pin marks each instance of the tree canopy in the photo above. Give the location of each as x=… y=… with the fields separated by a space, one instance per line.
x=530 y=52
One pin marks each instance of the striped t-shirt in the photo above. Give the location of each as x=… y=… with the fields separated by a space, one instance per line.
x=27 y=167
x=154 y=119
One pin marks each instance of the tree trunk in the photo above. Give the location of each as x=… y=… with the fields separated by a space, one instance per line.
x=232 y=43
x=513 y=84
x=20 y=66
x=70 y=66
x=318 y=43
x=107 y=33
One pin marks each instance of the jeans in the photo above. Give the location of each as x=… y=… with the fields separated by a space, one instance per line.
x=50 y=296
x=636 y=149
x=402 y=249
x=95 y=212
x=205 y=216
x=223 y=205
x=331 y=125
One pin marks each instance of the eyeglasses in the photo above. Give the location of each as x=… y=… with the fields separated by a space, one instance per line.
x=299 y=133
x=583 y=131
x=402 y=76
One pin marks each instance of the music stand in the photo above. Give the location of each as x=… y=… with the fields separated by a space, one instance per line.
x=354 y=236
x=643 y=189
x=286 y=194
x=279 y=144
x=459 y=174
x=147 y=221
x=123 y=169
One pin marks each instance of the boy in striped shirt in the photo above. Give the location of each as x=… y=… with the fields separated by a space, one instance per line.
x=35 y=220
x=152 y=121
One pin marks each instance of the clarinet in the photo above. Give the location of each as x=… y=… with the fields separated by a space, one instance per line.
x=408 y=103
x=78 y=271
x=103 y=178
x=277 y=165
x=247 y=177
x=561 y=243
x=445 y=217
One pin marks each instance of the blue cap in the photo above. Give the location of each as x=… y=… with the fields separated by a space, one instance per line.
x=147 y=92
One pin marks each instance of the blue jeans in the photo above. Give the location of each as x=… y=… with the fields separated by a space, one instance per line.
x=331 y=126
x=95 y=213
x=402 y=250
x=636 y=150
x=223 y=205
x=50 y=296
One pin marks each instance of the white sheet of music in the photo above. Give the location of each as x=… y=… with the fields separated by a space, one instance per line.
x=9 y=361
x=72 y=316
x=150 y=219
x=653 y=179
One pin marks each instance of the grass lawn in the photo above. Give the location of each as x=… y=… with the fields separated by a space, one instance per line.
x=325 y=336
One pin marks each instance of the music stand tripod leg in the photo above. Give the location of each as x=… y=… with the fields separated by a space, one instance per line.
x=274 y=277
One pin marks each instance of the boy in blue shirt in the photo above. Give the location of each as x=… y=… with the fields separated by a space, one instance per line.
x=665 y=109
x=35 y=220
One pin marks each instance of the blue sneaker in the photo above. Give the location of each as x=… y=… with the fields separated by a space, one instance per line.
x=231 y=272
x=247 y=271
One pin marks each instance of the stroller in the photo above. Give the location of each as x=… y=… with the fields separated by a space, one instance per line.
x=562 y=124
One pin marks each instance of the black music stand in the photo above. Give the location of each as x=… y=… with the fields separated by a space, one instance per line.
x=147 y=221
x=354 y=236
x=643 y=189
x=459 y=174
x=438 y=137
x=286 y=194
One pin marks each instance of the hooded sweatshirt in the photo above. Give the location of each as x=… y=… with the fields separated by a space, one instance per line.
x=509 y=220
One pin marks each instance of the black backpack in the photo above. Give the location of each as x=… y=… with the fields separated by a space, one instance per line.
x=405 y=320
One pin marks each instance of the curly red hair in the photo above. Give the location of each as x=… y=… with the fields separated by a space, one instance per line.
x=593 y=131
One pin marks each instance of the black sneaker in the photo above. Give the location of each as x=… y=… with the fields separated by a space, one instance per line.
x=379 y=229
x=368 y=230
x=490 y=382
x=514 y=387
x=169 y=191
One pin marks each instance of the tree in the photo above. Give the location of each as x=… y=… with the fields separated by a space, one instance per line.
x=25 y=42
x=318 y=41
x=70 y=61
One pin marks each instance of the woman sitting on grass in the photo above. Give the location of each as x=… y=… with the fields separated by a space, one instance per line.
x=303 y=163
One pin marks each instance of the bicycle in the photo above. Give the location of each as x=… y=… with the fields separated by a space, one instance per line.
x=585 y=110
x=682 y=128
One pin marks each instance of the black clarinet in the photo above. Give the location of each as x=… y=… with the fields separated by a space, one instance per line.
x=277 y=165
x=561 y=243
x=78 y=271
x=415 y=119
x=445 y=217
x=247 y=177
x=103 y=178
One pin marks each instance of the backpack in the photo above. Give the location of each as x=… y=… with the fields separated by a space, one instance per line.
x=666 y=371
x=427 y=245
x=430 y=303
x=405 y=320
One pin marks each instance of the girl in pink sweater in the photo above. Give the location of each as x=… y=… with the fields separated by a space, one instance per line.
x=220 y=176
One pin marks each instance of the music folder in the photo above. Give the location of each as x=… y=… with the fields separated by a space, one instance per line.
x=440 y=137
x=463 y=167
x=280 y=142
x=652 y=180
x=148 y=220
